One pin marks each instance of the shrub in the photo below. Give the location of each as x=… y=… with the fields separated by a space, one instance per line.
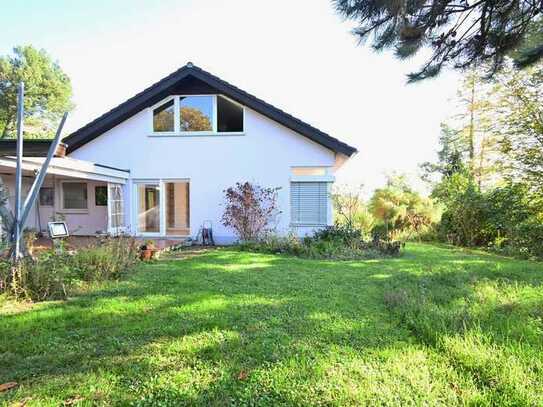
x=339 y=233
x=43 y=278
x=335 y=242
x=350 y=209
x=51 y=275
x=250 y=210
x=401 y=212
x=507 y=219
x=106 y=260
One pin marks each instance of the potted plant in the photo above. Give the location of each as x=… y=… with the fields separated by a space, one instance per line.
x=148 y=250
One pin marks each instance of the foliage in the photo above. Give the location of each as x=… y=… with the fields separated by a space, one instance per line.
x=507 y=218
x=350 y=209
x=45 y=278
x=438 y=326
x=469 y=137
x=490 y=182
x=463 y=221
x=520 y=116
x=338 y=242
x=52 y=274
x=106 y=260
x=401 y=212
x=250 y=210
x=459 y=33
x=192 y=119
x=47 y=92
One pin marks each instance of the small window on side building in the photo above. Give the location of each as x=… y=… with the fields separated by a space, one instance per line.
x=100 y=195
x=47 y=196
x=74 y=195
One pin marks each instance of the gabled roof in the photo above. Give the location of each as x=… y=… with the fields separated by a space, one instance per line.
x=192 y=77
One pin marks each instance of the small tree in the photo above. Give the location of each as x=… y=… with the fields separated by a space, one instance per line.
x=350 y=209
x=250 y=210
x=402 y=211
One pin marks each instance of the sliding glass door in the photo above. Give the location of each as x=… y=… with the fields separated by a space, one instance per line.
x=163 y=208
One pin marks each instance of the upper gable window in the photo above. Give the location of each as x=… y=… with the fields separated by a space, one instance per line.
x=198 y=114
x=163 y=117
x=229 y=116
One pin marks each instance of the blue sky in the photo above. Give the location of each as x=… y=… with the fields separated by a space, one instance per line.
x=298 y=56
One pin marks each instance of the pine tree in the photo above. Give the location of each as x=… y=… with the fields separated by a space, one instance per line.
x=459 y=33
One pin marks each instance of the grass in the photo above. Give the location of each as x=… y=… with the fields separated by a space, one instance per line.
x=438 y=326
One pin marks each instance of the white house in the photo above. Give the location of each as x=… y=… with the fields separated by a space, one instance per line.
x=158 y=164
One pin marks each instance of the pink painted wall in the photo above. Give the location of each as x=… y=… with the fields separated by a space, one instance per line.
x=80 y=222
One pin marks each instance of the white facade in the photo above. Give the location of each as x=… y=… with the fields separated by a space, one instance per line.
x=265 y=153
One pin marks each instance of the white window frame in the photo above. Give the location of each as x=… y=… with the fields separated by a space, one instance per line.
x=122 y=228
x=161 y=182
x=52 y=188
x=177 y=124
x=135 y=207
x=61 y=191
x=175 y=116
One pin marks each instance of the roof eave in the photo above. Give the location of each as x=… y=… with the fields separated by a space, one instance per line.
x=143 y=100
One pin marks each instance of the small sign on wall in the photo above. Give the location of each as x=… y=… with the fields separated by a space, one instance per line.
x=57 y=229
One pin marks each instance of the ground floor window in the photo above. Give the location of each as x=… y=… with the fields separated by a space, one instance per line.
x=74 y=195
x=309 y=203
x=100 y=195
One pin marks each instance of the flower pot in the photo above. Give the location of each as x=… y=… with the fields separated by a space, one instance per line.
x=147 y=254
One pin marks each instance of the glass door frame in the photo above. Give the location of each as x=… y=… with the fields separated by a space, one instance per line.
x=161 y=183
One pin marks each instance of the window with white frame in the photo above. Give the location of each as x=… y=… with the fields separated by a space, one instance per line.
x=74 y=195
x=229 y=116
x=115 y=208
x=47 y=196
x=198 y=114
x=309 y=203
x=163 y=117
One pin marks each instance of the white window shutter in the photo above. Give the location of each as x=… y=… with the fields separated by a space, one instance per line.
x=309 y=203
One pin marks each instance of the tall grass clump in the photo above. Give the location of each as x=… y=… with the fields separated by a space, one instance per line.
x=52 y=274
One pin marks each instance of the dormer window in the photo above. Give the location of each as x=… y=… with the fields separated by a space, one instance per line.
x=197 y=115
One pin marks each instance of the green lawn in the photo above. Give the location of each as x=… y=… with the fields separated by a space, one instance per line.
x=436 y=326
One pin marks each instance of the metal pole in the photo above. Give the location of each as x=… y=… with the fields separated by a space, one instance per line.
x=19 y=171
x=38 y=182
